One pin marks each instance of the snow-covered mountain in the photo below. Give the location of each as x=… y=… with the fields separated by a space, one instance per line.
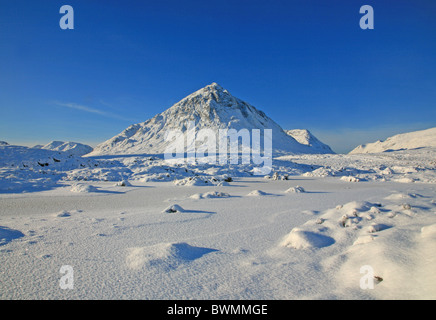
x=410 y=140
x=3 y=143
x=305 y=137
x=72 y=148
x=211 y=107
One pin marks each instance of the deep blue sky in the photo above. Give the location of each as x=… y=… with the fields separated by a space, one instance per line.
x=306 y=64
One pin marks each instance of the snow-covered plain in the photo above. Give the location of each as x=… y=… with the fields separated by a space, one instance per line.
x=138 y=227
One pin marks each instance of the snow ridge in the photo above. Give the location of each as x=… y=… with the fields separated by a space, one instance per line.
x=411 y=140
x=72 y=148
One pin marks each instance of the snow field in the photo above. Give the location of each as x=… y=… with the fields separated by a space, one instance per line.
x=137 y=227
x=222 y=244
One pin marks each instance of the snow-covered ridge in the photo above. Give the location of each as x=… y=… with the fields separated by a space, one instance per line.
x=410 y=140
x=305 y=137
x=72 y=148
x=211 y=107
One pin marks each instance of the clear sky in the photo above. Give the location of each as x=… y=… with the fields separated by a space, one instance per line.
x=306 y=64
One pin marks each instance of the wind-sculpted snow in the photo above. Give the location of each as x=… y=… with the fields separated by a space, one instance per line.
x=165 y=255
x=282 y=236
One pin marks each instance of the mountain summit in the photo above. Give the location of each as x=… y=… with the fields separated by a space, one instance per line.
x=211 y=107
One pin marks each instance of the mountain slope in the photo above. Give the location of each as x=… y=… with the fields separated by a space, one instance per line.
x=305 y=137
x=410 y=140
x=211 y=107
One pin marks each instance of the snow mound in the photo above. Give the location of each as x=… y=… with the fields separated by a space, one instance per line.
x=302 y=239
x=173 y=208
x=193 y=181
x=403 y=196
x=350 y=179
x=123 y=183
x=296 y=189
x=164 y=255
x=332 y=225
x=209 y=195
x=404 y=180
x=320 y=172
x=257 y=193
x=410 y=140
x=81 y=187
x=63 y=214
x=376 y=227
x=397 y=196
x=364 y=239
x=429 y=231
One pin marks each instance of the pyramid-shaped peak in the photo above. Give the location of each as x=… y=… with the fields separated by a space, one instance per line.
x=212 y=92
x=211 y=107
x=213 y=87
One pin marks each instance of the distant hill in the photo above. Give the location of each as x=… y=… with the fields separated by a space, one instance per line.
x=73 y=148
x=410 y=140
x=305 y=137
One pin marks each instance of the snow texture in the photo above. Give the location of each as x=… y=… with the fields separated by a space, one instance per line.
x=137 y=227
